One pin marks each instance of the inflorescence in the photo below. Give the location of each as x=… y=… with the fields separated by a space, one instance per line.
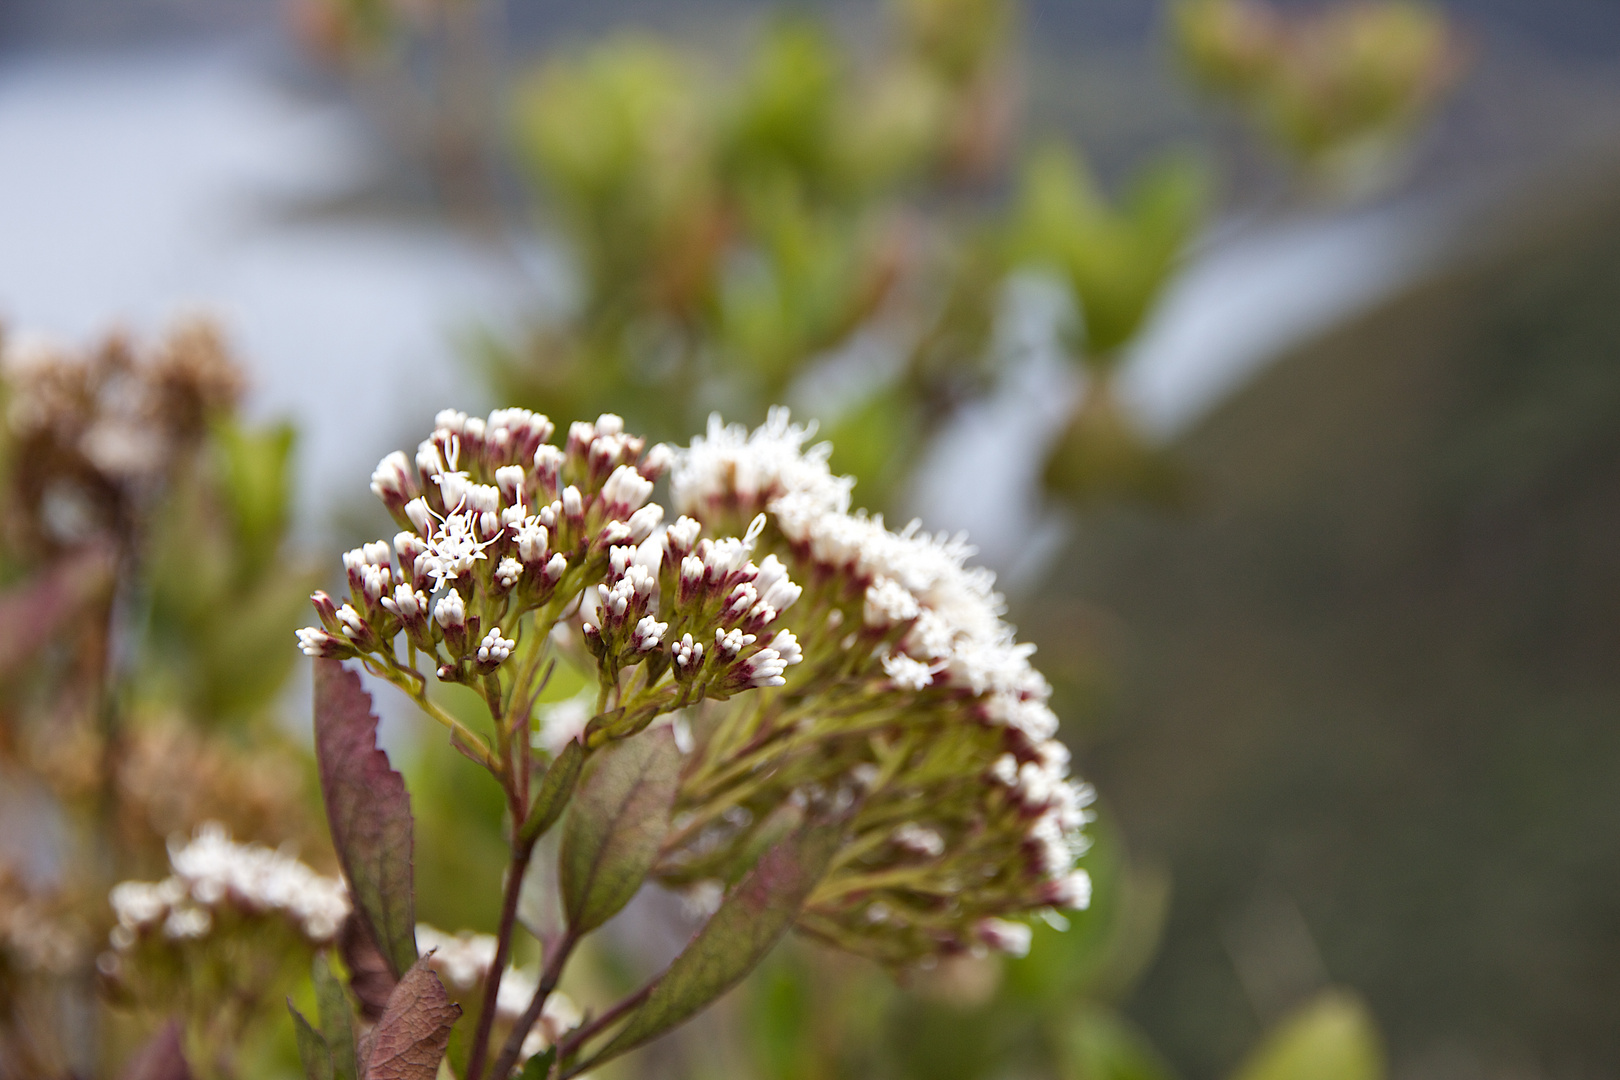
x=214 y=880
x=816 y=664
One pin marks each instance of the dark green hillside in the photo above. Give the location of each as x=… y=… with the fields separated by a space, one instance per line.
x=1374 y=675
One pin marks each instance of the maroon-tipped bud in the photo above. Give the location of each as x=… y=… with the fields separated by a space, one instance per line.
x=395 y=483
x=326 y=611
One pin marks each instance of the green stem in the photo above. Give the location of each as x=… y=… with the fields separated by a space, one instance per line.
x=415 y=685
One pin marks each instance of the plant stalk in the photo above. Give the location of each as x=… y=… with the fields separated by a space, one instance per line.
x=503 y=949
x=548 y=982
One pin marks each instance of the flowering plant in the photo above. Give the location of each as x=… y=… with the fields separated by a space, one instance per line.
x=801 y=717
x=146 y=591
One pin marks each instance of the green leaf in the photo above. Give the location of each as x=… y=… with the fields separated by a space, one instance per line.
x=337 y=1021
x=1100 y=1045
x=369 y=813
x=410 y=1039
x=254 y=483
x=1115 y=258
x=313 y=1051
x=1333 y=1037
x=539 y=1066
x=616 y=825
x=555 y=789
x=751 y=919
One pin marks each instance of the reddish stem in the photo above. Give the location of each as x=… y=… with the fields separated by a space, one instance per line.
x=520 y=1031
x=503 y=949
x=583 y=1034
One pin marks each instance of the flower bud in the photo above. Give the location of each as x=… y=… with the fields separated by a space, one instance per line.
x=656 y=462
x=649 y=633
x=643 y=522
x=493 y=650
x=532 y=542
x=510 y=480
x=681 y=537
x=508 y=574
x=419 y=514
x=687 y=654
x=323 y=645
x=394 y=482
x=326 y=610
x=548 y=465
x=1004 y=936
x=626 y=491
x=450 y=612
x=356 y=629
x=1072 y=891
x=787 y=647
x=593 y=640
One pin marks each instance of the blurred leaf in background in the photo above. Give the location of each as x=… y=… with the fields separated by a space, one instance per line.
x=1115 y=262
x=736 y=231
x=1341 y=90
x=1332 y=1037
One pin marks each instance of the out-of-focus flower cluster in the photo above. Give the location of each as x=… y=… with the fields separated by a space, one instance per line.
x=498 y=524
x=171 y=777
x=218 y=883
x=102 y=429
x=36 y=934
x=916 y=709
x=463 y=961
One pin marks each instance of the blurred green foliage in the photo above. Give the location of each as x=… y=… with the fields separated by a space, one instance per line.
x=223 y=597
x=1340 y=90
x=733 y=231
x=1333 y=1037
x=1115 y=260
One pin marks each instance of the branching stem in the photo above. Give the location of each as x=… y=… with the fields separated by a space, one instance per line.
x=503 y=949
x=585 y=1032
x=520 y=1031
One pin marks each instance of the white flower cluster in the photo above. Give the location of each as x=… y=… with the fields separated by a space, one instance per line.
x=211 y=875
x=931 y=624
x=735 y=469
x=463 y=961
x=716 y=603
x=497 y=522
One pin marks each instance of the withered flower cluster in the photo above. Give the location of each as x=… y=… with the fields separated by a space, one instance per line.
x=100 y=430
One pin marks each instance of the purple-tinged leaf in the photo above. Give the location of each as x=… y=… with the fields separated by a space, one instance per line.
x=750 y=921
x=616 y=825
x=33 y=612
x=369 y=976
x=162 y=1058
x=410 y=1038
x=369 y=813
